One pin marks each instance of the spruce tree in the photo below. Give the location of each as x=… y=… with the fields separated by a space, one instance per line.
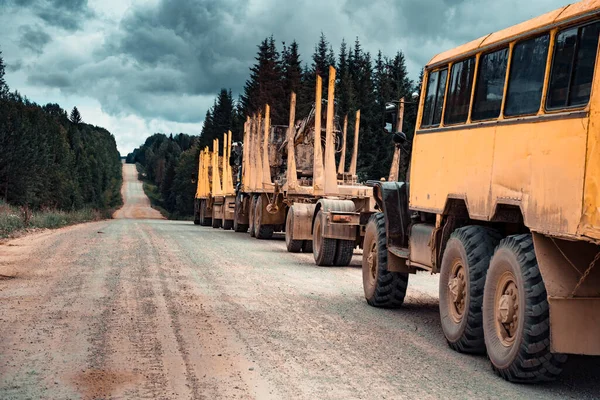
x=222 y=114
x=3 y=86
x=265 y=83
x=292 y=72
x=75 y=116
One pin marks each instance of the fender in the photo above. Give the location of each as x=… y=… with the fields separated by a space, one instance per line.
x=331 y=205
x=333 y=230
x=392 y=199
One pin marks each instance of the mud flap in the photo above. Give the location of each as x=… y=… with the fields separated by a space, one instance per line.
x=392 y=199
x=303 y=219
x=574 y=300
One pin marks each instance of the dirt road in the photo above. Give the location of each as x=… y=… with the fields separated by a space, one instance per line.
x=158 y=309
x=137 y=205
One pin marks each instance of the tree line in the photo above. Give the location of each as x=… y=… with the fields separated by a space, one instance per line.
x=48 y=160
x=169 y=163
x=362 y=82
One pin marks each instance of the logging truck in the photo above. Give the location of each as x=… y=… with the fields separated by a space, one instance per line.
x=290 y=184
x=504 y=196
x=215 y=194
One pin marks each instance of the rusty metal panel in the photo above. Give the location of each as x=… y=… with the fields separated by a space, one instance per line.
x=268 y=218
x=337 y=230
x=217 y=211
x=539 y=166
x=563 y=263
x=243 y=217
x=332 y=230
x=397 y=261
x=590 y=220
x=451 y=163
x=303 y=219
x=229 y=207
x=575 y=325
x=420 y=244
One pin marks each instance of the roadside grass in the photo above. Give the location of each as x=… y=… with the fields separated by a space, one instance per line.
x=155 y=197
x=156 y=200
x=15 y=220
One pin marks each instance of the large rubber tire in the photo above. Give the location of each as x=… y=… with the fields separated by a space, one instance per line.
x=324 y=249
x=252 y=227
x=293 y=246
x=464 y=264
x=262 y=231
x=307 y=246
x=524 y=355
x=382 y=288
x=227 y=224
x=216 y=223
x=238 y=207
x=204 y=219
x=344 y=252
x=197 y=212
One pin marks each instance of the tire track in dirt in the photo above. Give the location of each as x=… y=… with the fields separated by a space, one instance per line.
x=225 y=371
x=165 y=309
x=46 y=294
x=313 y=335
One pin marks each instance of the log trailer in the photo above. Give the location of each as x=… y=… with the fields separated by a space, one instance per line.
x=504 y=196
x=215 y=195
x=289 y=184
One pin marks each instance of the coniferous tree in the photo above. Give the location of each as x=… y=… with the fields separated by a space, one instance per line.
x=264 y=85
x=3 y=86
x=75 y=116
x=292 y=73
x=222 y=114
x=345 y=96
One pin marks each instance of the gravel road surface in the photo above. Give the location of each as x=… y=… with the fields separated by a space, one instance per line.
x=155 y=309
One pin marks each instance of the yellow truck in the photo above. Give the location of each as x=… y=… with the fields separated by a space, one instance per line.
x=290 y=184
x=504 y=196
x=215 y=195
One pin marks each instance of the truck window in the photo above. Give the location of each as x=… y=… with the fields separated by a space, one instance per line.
x=573 y=66
x=526 y=80
x=459 y=92
x=434 y=101
x=490 y=85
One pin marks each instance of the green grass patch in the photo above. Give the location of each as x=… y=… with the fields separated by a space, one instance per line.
x=14 y=220
x=156 y=200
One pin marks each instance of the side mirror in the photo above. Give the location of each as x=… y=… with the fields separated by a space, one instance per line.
x=387 y=128
x=400 y=138
x=415 y=95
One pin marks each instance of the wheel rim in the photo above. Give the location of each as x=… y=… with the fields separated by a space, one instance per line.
x=258 y=214
x=317 y=241
x=506 y=306
x=457 y=291
x=372 y=261
x=289 y=227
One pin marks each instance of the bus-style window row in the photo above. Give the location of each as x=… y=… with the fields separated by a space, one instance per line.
x=570 y=83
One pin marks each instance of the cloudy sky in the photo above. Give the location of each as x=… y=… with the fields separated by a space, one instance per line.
x=137 y=67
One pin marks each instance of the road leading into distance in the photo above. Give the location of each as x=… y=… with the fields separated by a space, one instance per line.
x=156 y=309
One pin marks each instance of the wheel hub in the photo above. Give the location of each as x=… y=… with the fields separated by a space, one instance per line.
x=507 y=306
x=457 y=290
x=372 y=261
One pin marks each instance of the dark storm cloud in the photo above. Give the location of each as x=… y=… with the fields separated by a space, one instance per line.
x=58 y=80
x=14 y=66
x=65 y=14
x=168 y=59
x=197 y=38
x=33 y=38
